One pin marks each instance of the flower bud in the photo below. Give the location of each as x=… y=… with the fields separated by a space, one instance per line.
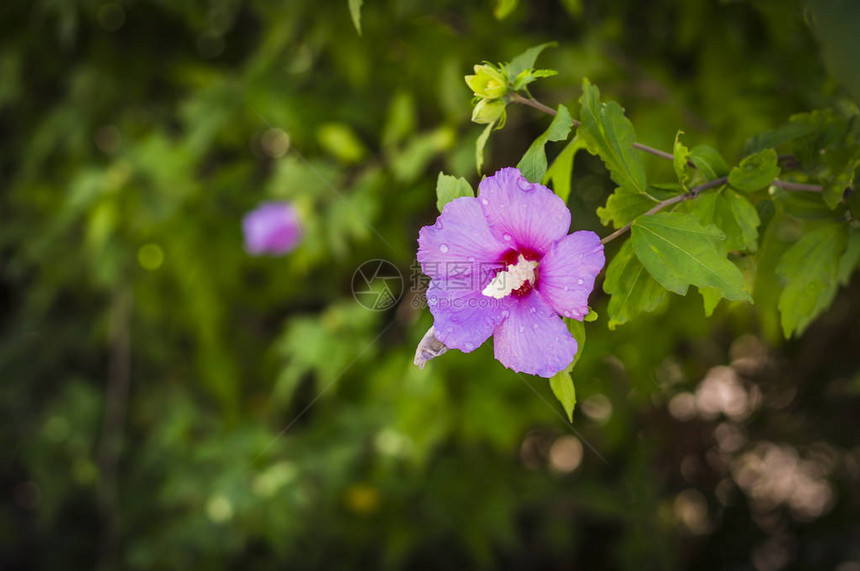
x=488 y=111
x=272 y=228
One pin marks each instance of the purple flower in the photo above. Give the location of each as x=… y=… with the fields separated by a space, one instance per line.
x=272 y=228
x=503 y=264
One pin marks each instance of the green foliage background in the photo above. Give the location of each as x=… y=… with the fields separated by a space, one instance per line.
x=271 y=421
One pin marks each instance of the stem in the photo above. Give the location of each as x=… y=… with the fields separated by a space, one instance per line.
x=653 y=151
x=531 y=102
x=797 y=186
x=693 y=193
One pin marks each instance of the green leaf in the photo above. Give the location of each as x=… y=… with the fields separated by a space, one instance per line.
x=562 y=387
x=610 y=135
x=733 y=214
x=341 y=141
x=851 y=258
x=450 y=187
x=804 y=205
x=681 y=158
x=533 y=164
x=632 y=289
x=561 y=383
x=528 y=76
x=480 y=144
x=755 y=171
x=526 y=60
x=678 y=252
x=811 y=270
x=561 y=170
x=355 y=12
x=401 y=120
x=504 y=8
x=623 y=206
x=843 y=163
x=771 y=139
x=711 y=296
x=709 y=161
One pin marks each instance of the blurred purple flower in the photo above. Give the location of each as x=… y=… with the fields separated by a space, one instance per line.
x=503 y=264
x=272 y=228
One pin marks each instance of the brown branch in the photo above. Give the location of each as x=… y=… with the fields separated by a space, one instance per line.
x=693 y=193
x=531 y=102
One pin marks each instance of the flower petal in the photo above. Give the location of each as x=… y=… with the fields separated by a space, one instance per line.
x=459 y=243
x=463 y=318
x=533 y=339
x=522 y=214
x=567 y=273
x=271 y=228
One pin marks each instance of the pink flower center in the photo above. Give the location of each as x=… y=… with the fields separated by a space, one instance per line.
x=519 y=274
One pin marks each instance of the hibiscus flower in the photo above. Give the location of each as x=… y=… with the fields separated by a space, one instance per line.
x=272 y=228
x=503 y=264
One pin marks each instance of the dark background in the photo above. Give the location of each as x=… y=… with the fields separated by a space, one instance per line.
x=148 y=366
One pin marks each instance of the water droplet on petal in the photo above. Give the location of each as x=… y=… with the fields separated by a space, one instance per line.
x=443 y=248
x=469 y=346
x=505 y=313
x=524 y=184
x=439 y=224
x=580 y=282
x=533 y=310
x=535 y=326
x=566 y=288
x=507 y=237
x=522 y=328
x=471 y=258
x=484 y=201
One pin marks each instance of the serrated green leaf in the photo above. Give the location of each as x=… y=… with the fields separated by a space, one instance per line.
x=561 y=170
x=450 y=187
x=480 y=143
x=843 y=163
x=850 y=258
x=811 y=270
x=709 y=161
x=610 y=135
x=678 y=252
x=355 y=13
x=826 y=131
x=562 y=387
x=766 y=286
x=755 y=172
x=681 y=156
x=631 y=287
x=771 y=139
x=526 y=60
x=733 y=214
x=623 y=206
x=504 y=8
x=711 y=297
x=533 y=164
